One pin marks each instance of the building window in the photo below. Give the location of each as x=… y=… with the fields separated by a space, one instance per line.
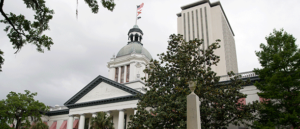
x=188 y=15
x=131 y=38
x=184 y=36
x=193 y=25
x=136 y=37
x=116 y=74
x=197 y=24
x=122 y=74
x=127 y=73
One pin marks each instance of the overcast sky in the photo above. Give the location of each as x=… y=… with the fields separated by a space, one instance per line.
x=82 y=47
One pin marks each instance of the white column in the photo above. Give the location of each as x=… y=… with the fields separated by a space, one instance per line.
x=81 y=121
x=70 y=122
x=132 y=71
x=112 y=73
x=134 y=111
x=121 y=119
x=125 y=70
x=119 y=76
x=94 y=114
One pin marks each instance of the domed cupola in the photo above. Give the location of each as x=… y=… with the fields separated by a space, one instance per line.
x=134 y=45
x=135 y=34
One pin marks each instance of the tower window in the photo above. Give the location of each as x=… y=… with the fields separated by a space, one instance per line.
x=127 y=73
x=116 y=74
x=136 y=37
x=122 y=74
x=131 y=38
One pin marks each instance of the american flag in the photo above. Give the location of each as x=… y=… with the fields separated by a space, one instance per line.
x=139 y=12
x=140 y=6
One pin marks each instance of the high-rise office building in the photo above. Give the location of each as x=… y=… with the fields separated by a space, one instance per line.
x=208 y=21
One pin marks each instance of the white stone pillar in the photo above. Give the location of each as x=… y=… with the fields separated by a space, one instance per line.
x=81 y=121
x=193 y=109
x=94 y=114
x=119 y=76
x=125 y=70
x=121 y=119
x=70 y=122
x=132 y=71
x=134 y=111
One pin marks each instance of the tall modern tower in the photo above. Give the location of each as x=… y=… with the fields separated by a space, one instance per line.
x=208 y=21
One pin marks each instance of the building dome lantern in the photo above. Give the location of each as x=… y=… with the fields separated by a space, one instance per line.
x=135 y=34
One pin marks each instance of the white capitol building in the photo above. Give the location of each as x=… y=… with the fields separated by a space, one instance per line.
x=115 y=94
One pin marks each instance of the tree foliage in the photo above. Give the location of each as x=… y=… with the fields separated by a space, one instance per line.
x=22 y=31
x=3 y=116
x=280 y=85
x=21 y=108
x=93 y=4
x=102 y=121
x=39 y=125
x=164 y=104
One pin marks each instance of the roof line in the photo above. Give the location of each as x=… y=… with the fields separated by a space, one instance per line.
x=103 y=101
x=94 y=83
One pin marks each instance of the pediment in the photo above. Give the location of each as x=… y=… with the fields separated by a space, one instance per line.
x=101 y=88
x=103 y=91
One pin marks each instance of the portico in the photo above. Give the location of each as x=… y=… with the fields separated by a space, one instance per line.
x=120 y=118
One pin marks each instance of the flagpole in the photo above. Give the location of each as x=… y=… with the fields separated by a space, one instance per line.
x=136 y=16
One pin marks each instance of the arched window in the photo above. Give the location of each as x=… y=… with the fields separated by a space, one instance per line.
x=136 y=37
x=131 y=37
x=141 y=38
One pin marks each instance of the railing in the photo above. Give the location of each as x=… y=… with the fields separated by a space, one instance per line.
x=243 y=75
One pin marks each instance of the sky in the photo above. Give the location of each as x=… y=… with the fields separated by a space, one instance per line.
x=82 y=47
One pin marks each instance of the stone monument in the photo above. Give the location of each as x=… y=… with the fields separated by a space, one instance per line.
x=193 y=108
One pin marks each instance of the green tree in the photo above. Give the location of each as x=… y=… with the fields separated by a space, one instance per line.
x=39 y=125
x=3 y=116
x=280 y=85
x=22 y=31
x=164 y=104
x=102 y=121
x=21 y=107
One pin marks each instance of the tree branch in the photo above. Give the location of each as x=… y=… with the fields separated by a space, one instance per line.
x=5 y=16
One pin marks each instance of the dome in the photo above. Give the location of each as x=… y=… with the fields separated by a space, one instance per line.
x=134 y=47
